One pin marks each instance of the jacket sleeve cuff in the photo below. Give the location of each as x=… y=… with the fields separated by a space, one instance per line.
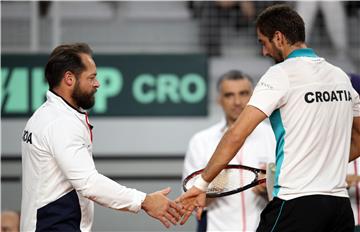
x=139 y=198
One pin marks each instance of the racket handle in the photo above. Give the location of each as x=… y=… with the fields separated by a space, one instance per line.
x=270 y=179
x=201 y=184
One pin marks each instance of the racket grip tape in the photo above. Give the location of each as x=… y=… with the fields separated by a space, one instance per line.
x=201 y=184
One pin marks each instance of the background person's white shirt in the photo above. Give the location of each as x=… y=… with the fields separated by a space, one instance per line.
x=237 y=212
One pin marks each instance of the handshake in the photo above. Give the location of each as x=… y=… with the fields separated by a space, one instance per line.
x=168 y=212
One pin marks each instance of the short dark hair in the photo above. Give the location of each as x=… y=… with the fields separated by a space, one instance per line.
x=233 y=75
x=284 y=19
x=63 y=58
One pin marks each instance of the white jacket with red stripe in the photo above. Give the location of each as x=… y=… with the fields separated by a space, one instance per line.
x=59 y=178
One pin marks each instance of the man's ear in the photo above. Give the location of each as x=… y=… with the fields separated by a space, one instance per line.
x=69 y=78
x=279 y=39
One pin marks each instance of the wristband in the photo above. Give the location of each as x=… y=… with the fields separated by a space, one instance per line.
x=201 y=184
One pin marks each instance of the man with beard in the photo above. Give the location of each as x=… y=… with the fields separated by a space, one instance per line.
x=59 y=178
x=315 y=139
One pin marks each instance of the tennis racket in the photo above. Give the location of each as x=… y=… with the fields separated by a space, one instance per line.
x=232 y=179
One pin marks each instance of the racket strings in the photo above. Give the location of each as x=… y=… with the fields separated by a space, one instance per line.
x=228 y=180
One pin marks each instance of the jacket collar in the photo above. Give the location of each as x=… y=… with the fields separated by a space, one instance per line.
x=302 y=52
x=223 y=127
x=54 y=97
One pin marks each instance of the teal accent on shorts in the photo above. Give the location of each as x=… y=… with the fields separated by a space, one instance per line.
x=357 y=228
x=277 y=219
x=302 y=52
x=279 y=131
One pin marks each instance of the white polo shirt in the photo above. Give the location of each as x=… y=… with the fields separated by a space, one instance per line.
x=237 y=212
x=59 y=178
x=311 y=105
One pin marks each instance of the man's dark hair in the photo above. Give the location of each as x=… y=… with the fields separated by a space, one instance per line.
x=233 y=75
x=284 y=19
x=65 y=58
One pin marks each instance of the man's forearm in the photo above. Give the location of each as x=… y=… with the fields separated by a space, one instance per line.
x=355 y=140
x=224 y=153
x=232 y=141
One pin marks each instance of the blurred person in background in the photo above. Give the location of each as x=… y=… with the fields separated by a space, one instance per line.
x=353 y=177
x=238 y=212
x=334 y=15
x=10 y=221
x=59 y=178
x=215 y=15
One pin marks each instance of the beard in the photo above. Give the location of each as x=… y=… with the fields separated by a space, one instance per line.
x=278 y=57
x=82 y=99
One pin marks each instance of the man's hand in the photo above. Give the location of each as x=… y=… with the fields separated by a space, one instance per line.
x=261 y=188
x=193 y=199
x=352 y=180
x=158 y=206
